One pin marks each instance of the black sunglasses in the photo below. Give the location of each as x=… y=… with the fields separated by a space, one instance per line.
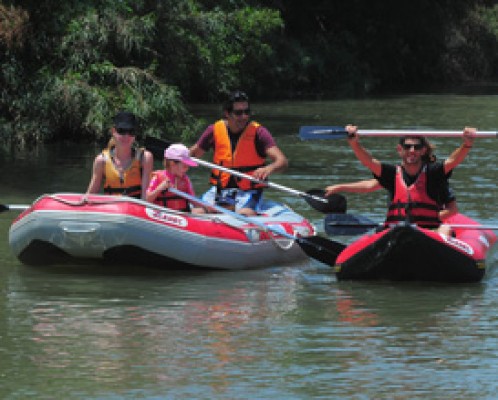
x=238 y=113
x=123 y=131
x=417 y=146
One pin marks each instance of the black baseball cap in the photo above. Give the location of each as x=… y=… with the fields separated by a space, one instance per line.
x=125 y=120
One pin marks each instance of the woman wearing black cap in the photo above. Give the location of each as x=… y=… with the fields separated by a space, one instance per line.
x=122 y=168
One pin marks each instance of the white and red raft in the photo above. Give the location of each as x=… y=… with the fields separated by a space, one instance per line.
x=67 y=228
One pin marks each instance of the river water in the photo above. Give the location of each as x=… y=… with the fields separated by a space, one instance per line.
x=88 y=332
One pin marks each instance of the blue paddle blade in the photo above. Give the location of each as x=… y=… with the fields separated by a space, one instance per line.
x=322 y=132
x=348 y=224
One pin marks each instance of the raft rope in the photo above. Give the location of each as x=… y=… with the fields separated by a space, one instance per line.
x=279 y=242
x=276 y=241
x=84 y=201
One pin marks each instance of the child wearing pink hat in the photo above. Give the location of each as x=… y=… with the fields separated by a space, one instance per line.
x=176 y=164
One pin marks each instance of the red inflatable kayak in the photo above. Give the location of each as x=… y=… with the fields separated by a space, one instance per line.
x=408 y=253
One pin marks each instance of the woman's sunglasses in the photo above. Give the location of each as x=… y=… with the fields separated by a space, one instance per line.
x=124 y=131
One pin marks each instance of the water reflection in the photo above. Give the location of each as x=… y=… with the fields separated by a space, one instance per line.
x=370 y=304
x=210 y=335
x=162 y=327
x=393 y=338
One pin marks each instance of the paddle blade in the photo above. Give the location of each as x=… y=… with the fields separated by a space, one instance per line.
x=347 y=224
x=11 y=207
x=322 y=132
x=321 y=249
x=336 y=203
x=157 y=146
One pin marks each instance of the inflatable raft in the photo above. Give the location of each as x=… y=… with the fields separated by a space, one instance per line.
x=68 y=227
x=407 y=253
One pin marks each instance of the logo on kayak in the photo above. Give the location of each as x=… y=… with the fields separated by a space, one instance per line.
x=171 y=219
x=484 y=240
x=458 y=244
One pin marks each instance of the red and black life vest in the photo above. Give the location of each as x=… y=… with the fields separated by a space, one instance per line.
x=412 y=203
x=169 y=199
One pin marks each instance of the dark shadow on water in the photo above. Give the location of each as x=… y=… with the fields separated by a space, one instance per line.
x=105 y=268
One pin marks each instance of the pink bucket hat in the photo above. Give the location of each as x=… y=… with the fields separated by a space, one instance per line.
x=179 y=152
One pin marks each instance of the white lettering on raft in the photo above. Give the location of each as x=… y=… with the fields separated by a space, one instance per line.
x=162 y=216
x=458 y=244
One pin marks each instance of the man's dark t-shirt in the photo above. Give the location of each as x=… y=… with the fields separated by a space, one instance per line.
x=437 y=182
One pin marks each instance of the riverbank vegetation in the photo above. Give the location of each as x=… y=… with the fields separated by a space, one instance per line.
x=67 y=66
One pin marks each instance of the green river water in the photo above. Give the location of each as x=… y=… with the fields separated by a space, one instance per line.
x=277 y=333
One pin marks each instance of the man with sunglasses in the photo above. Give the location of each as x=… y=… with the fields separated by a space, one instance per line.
x=243 y=145
x=415 y=186
x=122 y=168
x=445 y=196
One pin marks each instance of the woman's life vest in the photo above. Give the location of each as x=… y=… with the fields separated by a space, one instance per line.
x=244 y=158
x=171 y=200
x=129 y=183
x=412 y=203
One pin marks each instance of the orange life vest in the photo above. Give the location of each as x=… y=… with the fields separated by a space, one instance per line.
x=414 y=201
x=128 y=184
x=245 y=158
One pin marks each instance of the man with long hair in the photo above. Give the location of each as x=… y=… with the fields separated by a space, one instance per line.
x=415 y=186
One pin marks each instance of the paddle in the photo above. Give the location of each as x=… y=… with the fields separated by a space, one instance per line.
x=338 y=132
x=347 y=224
x=350 y=224
x=8 y=207
x=314 y=197
x=319 y=248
